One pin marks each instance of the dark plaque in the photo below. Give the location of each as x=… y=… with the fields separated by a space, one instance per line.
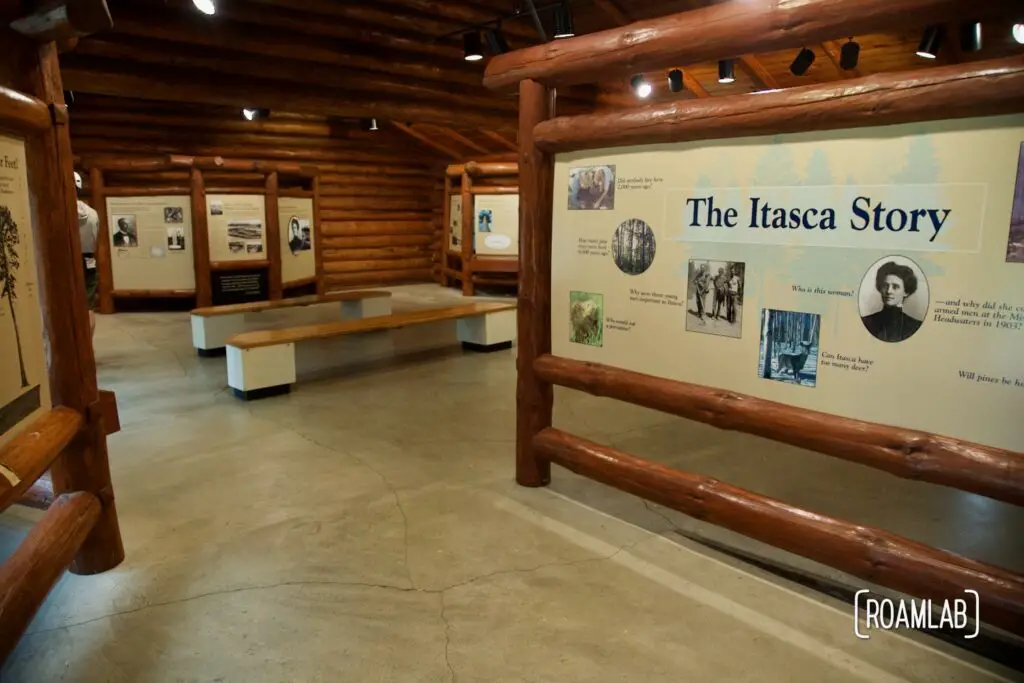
x=240 y=286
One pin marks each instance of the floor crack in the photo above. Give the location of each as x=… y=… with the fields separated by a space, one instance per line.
x=447 y=639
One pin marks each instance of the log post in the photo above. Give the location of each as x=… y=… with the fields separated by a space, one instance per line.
x=446 y=228
x=534 y=396
x=273 y=237
x=72 y=363
x=468 y=234
x=318 y=242
x=104 y=267
x=200 y=240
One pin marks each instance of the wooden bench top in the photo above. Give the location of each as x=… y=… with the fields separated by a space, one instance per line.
x=257 y=338
x=310 y=300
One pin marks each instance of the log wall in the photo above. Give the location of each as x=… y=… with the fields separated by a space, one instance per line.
x=377 y=189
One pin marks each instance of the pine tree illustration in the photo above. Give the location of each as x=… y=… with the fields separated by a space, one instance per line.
x=9 y=240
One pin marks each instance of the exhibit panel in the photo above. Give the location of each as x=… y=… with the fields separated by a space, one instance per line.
x=24 y=384
x=236 y=225
x=455 y=222
x=866 y=273
x=151 y=243
x=298 y=238
x=496 y=224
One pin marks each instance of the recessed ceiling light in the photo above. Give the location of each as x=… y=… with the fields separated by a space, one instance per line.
x=205 y=6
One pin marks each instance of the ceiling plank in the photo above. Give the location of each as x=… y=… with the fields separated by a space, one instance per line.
x=757 y=72
x=500 y=139
x=426 y=140
x=462 y=139
x=465 y=13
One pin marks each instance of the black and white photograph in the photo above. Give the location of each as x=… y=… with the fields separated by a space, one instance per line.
x=714 y=297
x=586 y=318
x=893 y=299
x=255 y=248
x=173 y=214
x=633 y=246
x=592 y=188
x=1015 y=241
x=298 y=235
x=789 y=346
x=126 y=233
x=245 y=230
x=175 y=239
x=216 y=208
x=236 y=247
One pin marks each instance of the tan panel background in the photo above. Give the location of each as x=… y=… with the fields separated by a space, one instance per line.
x=23 y=378
x=153 y=264
x=937 y=380
x=301 y=264
x=455 y=222
x=503 y=239
x=248 y=212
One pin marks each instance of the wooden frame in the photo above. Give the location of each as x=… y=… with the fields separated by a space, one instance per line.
x=465 y=266
x=80 y=526
x=956 y=91
x=190 y=175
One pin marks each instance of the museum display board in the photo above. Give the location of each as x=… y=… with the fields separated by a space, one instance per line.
x=455 y=222
x=868 y=273
x=298 y=239
x=496 y=224
x=24 y=385
x=237 y=226
x=151 y=243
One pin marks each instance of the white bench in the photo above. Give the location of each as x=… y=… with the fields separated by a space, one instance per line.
x=262 y=363
x=213 y=325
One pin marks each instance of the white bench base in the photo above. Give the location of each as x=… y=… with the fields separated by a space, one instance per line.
x=210 y=333
x=266 y=371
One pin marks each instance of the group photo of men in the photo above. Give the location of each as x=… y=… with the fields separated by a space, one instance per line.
x=715 y=297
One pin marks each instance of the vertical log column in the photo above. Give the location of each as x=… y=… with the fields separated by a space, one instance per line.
x=84 y=465
x=273 y=241
x=104 y=267
x=468 y=235
x=536 y=184
x=446 y=227
x=318 y=241
x=200 y=240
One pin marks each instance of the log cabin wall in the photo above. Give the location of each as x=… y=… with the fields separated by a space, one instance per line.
x=378 y=191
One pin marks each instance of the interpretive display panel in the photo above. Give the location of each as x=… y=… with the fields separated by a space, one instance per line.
x=496 y=224
x=295 y=216
x=868 y=273
x=455 y=222
x=151 y=243
x=237 y=225
x=24 y=389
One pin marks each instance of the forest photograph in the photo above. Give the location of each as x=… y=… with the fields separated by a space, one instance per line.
x=789 y=346
x=633 y=246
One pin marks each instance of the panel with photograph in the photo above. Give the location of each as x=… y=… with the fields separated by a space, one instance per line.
x=586 y=318
x=175 y=239
x=173 y=214
x=714 y=297
x=592 y=188
x=789 y=346
x=126 y=233
x=633 y=246
x=1015 y=241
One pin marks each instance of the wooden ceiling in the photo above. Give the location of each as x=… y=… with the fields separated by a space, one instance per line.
x=383 y=59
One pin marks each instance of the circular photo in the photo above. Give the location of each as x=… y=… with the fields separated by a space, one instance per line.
x=893 y=299
x=633 y=246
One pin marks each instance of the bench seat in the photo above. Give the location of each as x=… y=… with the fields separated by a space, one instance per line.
x=263 y=362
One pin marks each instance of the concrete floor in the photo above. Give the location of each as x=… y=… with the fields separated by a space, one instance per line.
x=367 y=528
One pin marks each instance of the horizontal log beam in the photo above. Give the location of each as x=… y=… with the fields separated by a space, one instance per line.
x=495 y=189
x=64 y=21
x=417 y=251
x=378 y=203
x=28 y=575
x=345 y=266
x=480 y=169
x=723 y=30
x=379 y=277
x=21 y=112
x=948 y=92
x=906 y=453
x=371 y=218
x=24 y=458
x=148 y=191
x=368 y=241
x=862 y=551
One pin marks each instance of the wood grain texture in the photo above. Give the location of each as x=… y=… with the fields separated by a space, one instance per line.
x=534 y=396
x=957 y=91
x=478 y=169
x=273 y=236
x=28 y=575
x=200 y=239
x=104 y=265
x=723 y=30
x=25 y=457
x=291 y=335
x=906 y=453
x=862 y=551
x=153 y=293
x=294 y=302
x=22 y=113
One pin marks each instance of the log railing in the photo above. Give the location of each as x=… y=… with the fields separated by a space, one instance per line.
x=724 y=31
x=25 y=457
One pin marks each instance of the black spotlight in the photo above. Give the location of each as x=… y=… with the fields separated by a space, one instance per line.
x=675 y=80
x=931 y=41
x=849 y=55
x=803 y=62
x=69 y=97
x=471 y=48
x=726 y=72
x=970 y=36
x=496 y=41
x=563 y=21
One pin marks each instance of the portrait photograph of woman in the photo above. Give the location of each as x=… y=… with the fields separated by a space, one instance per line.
x=592 y=187
x=893 y=299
